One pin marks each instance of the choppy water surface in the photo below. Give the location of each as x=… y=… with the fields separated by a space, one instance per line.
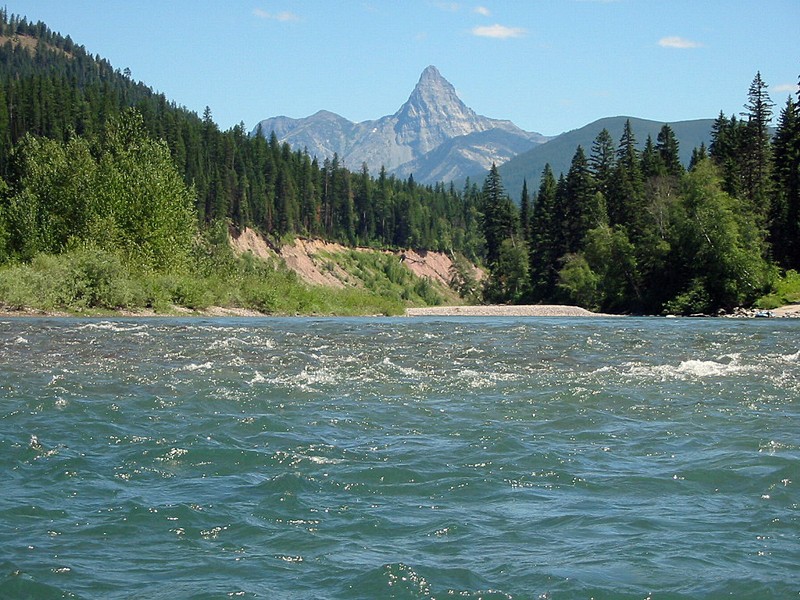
x=399 y=458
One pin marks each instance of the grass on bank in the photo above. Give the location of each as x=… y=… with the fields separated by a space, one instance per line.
x=786 y=290
x=86 y=279
x=384 y=275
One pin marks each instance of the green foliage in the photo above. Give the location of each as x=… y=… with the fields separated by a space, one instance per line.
x=248 y=180
x=101 y=206
x=385 y=276
x=462 y=279
x=425 y=290
x=85 y=278
x=138 y=187
x=92 y=279
x=785 y=203
x=722 y=243
x=695 y=299
x=785 y=290
x=129 y=198
x=500 y=218
x=612 y=259
x=53 y=199
x=546 y=240
x=578 y=284
x=508 y=278
x=3 y=224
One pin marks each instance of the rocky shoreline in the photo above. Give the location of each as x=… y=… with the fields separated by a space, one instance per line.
x=504 y=310
x=558 y=310
x=791 y=311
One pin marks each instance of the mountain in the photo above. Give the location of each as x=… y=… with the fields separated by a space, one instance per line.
x=560 y=150
x=433 y=135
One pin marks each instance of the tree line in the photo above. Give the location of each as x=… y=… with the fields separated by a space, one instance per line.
x=634 y=231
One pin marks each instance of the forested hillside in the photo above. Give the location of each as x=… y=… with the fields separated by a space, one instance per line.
x=634 y=231
x=558 y=151
x=52 y=87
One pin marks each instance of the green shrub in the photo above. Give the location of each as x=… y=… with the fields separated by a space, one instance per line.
x=786 y=290
x=425 y=290
x=79 y=279
x=695 y=300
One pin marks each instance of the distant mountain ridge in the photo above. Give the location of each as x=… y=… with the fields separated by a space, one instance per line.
x=558 y=151
x=433 y=135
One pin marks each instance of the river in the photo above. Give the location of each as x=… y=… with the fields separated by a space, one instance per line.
x=328 y=458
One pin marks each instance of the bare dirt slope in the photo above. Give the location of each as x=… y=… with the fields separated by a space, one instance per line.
x=248 y=240
x=302 y=257
x=434 y=265
x=308 y=258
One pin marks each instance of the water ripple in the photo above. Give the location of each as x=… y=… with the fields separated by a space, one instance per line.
x=428 y=458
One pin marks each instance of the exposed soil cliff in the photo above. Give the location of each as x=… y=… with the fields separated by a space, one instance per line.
x=310 y=259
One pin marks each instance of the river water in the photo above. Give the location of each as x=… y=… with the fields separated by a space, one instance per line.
x=304 y=458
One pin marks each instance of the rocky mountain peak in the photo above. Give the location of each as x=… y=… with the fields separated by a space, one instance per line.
x=434 y=90
x=432 y=119
x=436 y=97
x=434 y=113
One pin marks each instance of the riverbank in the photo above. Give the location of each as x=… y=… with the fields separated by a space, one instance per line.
x=175 y=311
x=504 y=310
x=559 y=310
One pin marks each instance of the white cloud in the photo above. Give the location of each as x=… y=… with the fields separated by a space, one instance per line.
x=678 y=42
x=785 y=87
x=500 y=32
x=449 y=6
x=283 y=16
x=482 y=10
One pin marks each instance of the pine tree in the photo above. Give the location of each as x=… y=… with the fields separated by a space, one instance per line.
x=363 y=205
x=498 y=215
x=785 y=215
x=626 y=201
x=384 y=212
x=756 y=157
x=580 y=213
x=652 y=165
x=698 y=154
x=667 y=148
x=544 y=246
x=525 y=211
x=727 y=138
x=602 y=160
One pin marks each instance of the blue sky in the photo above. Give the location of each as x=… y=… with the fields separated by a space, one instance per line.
x=549 y=66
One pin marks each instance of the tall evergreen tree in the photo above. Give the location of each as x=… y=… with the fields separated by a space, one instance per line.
x=363 y=206
x=652 y=165
x=602 y=161
x=667 y=148
x=699 y=153
x=525 y=212
x=544 y=244
x=756 y=156
x=785 y=214
x=581 y=212
x=626 y=201
x=726 y=149
x=499 y=221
